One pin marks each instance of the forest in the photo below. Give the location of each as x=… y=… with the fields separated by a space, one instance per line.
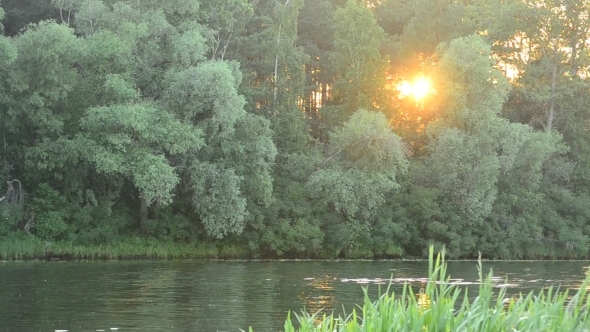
x=299 y=128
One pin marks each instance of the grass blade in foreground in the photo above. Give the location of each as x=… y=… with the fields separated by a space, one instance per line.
x=442 y=308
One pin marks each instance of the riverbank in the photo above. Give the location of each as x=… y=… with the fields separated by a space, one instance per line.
x=30 y=248
x=442 y=306
x=24 y=247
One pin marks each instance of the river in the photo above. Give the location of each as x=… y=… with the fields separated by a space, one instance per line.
x=222 y=296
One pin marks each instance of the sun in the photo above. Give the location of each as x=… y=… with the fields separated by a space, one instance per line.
x=418 y=89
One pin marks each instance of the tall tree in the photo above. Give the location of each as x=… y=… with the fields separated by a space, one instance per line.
x=316 y=36
x=471 y=145
x=149 y=110
x=363 y=161
x=34 y=109
x=414 y=31
x=360 y=68
x=225 y=22
x=543 y=46
x=232 y=170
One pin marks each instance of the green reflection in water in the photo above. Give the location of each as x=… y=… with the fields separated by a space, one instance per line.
x=221 y=296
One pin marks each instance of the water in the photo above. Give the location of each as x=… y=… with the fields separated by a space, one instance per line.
x=220 y=296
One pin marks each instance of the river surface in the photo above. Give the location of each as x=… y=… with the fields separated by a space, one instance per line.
x=222 y=296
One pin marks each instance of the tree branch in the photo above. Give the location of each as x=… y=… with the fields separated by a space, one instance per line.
x=30 y=224
x=14 y=195
x=369 y=139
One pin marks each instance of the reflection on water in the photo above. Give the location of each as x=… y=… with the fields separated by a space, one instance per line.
x=318 y=295
x=227 y=296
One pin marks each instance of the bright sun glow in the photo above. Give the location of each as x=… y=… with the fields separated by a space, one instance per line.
x=418 y=89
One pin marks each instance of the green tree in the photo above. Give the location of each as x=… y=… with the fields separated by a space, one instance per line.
x=20 y=13
x=232 y=169
x=316 y=37
x=360 y=68
x=8 y=54
x=36 y=96
x=471 y=147
x=543 y=45
x=126 y=142
x=359 y=172
x=139 y=105
x=226 y=21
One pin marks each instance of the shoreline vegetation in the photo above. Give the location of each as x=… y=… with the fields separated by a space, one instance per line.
x=130 y=248
x=24 y=247
x=441 y=306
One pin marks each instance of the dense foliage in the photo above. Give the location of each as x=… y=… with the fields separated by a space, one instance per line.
x=278 y=128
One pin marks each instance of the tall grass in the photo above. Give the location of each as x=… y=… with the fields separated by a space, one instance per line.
x=445 y=307
x=28 y=247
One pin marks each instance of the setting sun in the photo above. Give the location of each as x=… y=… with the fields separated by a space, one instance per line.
x=418 y=89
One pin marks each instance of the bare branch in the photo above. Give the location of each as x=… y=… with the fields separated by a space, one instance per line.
x=226 y=45
x=14 y=194
x=30 y=223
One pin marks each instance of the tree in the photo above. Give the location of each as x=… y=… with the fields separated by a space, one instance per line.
x=127 y=142
x=316 y=37
x=471 y=147
x=226 y=21
x=8 y=54
x=232 y=169
x=414 y=31
x=543 y=46
x=364 y=158
x=360 y=69
x=36 y=95
x=141 y=105
x=20 y=13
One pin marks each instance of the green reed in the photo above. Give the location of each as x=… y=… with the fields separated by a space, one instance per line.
x=133 y=247
x=445 y=307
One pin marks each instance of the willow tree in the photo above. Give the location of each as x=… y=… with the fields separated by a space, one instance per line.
x=358 y=172
x=36 y=97
x=232 y=169
x=113 y=134
x=543 y=47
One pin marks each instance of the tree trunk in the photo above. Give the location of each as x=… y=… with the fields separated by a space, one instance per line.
x=551 y=111
x=30 y=224
x=143 y=215
x=14 y=194
x=276 y=77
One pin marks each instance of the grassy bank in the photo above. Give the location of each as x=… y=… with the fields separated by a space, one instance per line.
x=28 y=247
x=20 y=246
x=444 y=307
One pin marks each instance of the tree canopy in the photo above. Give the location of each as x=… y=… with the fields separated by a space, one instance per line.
x=299 y=128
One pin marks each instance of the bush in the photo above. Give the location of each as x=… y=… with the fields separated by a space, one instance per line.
x=10 y=216
x=52 y=211
x=94 y=225
x=170 y=226
x=298 y=238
